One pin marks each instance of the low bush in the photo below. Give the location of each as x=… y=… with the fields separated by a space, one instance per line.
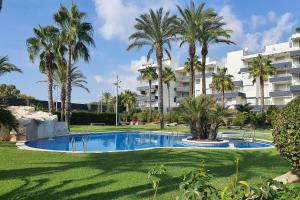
x=196 y=185
x=85 y=118
x=286 y=133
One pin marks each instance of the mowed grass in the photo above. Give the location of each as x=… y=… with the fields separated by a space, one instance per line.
x=46 y=175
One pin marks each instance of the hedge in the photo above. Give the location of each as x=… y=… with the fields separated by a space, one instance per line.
x=286 y=133
x=85 y=118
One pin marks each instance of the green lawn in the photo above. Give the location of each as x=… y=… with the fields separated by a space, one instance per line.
x=45 y=175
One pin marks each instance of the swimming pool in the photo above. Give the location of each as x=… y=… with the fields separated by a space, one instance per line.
x=128 y=141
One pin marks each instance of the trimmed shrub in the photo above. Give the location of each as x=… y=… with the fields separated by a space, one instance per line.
x=85 y=118
x=287 y=133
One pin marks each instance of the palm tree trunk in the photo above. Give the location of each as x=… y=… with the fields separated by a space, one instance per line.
x=68 y=89
x=169 y=102
x=223 y=96
x=262 y=94
x=62 y=102
x=150 y=103
x=192 y=51
x=50 y=92
x=203 y=64
x=159 y=57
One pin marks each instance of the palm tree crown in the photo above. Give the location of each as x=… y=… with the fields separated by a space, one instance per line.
x=211 y=30
x=188 y=32
x=261 y=68
x=222 y=82
x=76 y=35
x=196 y=64
x=6 y=67
x=156 y=30
x=43 y=43
x=148 y=74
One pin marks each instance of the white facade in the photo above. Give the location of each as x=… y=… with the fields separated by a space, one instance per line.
x=279 y=89
x=143 y=100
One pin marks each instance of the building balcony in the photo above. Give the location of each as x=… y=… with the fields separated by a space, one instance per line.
x=146 y=98
x=280 y=79
x=281 y=93
x=295 y=54
x=146 y=88
x=295 y=89
x=282 y=65
x=229 y=95
x=235 y=83
x=180 y=99
x=244 y=69
x=295 y=71
x=183 y=89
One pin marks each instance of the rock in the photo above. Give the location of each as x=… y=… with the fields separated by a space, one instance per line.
x=288 y=177
x=37 y=124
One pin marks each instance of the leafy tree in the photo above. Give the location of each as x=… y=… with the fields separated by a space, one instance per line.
x=222 y=82
x=196 y=111
x=42 y=43
x=129 y=100
x=9 y=91
x=217 y=119
x=286 y=133
x=298 y=30
x=261 y=68
x=155 y=29
x=244 y=108
x=6 y=67
x=8 y=122
x=211 y=31
x=188 y=32
x=168 y=76
x=149 y=74
x=1 y=3
x=77 y=35
x=272 y=113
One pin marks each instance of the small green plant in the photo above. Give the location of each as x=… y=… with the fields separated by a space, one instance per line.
x=237 y=189
x=195 y=185
x=154 y=175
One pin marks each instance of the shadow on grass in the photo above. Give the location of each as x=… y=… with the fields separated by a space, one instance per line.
x=123 y=175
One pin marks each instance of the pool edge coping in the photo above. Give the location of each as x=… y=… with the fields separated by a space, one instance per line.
x=21 y=145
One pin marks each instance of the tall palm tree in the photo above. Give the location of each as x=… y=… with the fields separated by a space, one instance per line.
x=149 y=74
x=77 y=80
x=168 y=76
x=222 y=82
x=77 y=35
x=6 y=67
x=211 y=30
x=196 y=66
x=129 y=100
x=43 y=43
x=188 y=32
x=261 y=68
x=106 y=98
x=155 y=29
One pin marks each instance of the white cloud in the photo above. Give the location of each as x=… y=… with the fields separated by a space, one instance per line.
x=257 y=21
x=117 y=16
x=98 y=78
x=233 y=23
x=255 y=41
x=284 y=24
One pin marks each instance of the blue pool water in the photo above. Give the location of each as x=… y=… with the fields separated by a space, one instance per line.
x=120 y=141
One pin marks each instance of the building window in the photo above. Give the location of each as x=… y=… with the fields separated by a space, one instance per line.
x=197 y=81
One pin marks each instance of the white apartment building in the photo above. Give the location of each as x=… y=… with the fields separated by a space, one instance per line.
x=279 y=89
x=143 y=100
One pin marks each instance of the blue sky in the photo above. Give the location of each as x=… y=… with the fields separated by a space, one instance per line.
x=255 y=23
